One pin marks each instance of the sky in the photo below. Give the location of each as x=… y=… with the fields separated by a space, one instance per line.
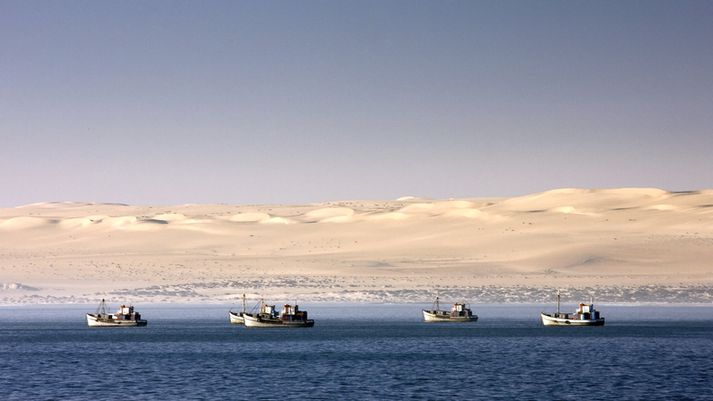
x=173 y=102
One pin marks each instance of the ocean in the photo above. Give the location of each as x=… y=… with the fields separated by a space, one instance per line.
x=358 y=352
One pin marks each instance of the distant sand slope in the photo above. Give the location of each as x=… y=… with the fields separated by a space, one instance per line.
x=561 y=238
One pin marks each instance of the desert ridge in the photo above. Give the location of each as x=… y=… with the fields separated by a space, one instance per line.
x=616 y=240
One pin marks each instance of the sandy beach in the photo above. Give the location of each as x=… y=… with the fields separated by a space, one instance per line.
x=623 y=245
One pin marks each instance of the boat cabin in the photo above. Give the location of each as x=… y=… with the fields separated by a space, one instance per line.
x=125 y=313
x=460 y=310
x=587 y=312
x=291 y=313
x=268 y=310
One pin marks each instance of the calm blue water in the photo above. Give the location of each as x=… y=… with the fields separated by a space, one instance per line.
x=367 y=352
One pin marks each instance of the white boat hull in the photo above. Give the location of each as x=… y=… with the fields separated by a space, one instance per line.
x=236 y=317
x=94 y=321
x=252 y=321
x=430 y=316
x=549 y=320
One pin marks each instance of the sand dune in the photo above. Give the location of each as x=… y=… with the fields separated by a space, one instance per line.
x=450 y=209
x=276 y=220
x=80 y=222
x=249 y=217
x=331 y=215
x=23 y=222
x=571 y=238
x=388 y=216
x=170 y=217
x=587 y=199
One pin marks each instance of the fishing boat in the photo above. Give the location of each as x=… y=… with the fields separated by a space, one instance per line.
x=459 y=313
x=237 y=317
x=267 y=316
x=124 y=317
x=585 y=315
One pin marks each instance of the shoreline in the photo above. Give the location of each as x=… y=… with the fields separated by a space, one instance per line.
x=197 y=293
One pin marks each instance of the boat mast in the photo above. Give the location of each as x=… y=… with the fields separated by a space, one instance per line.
x=101 y=310
x=558 y=302
x=243 y=303
x=438 y=305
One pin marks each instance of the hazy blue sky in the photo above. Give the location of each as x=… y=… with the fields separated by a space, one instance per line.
x=299 y=101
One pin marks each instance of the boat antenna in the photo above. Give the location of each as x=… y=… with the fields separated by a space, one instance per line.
x=558 y=302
